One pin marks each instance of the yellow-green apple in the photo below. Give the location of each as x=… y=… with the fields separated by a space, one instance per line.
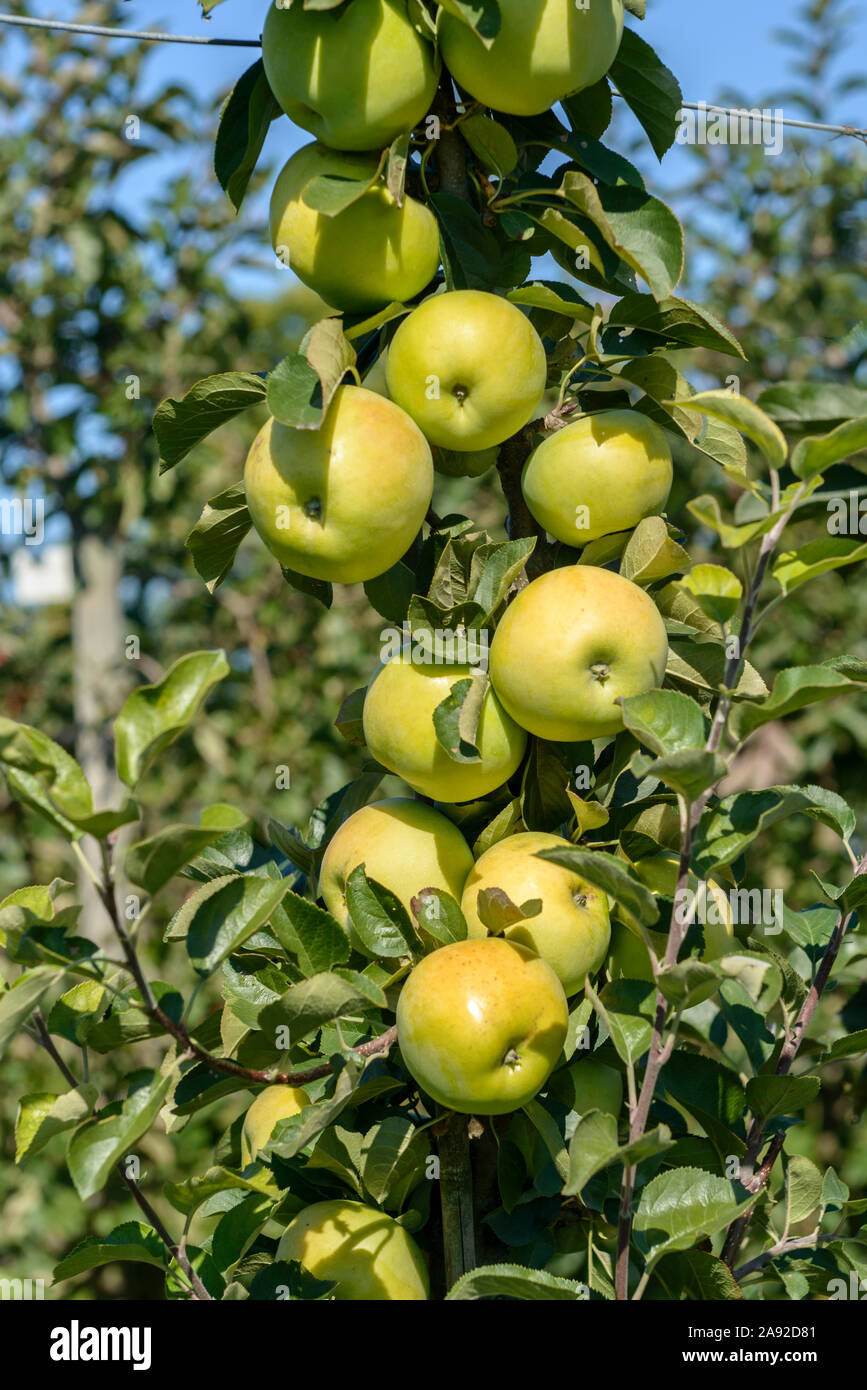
x=481 y=1024
x=346 y=501
x=603 y=473
x=354 y=77
x=368 y=1255
x=587 y=1085
x=544 y=51
x=404 y=845
x=398 y=720
x=273 y=1104
x=570 y=645
x=468 y=367
x=571 y=932
x=372 y=252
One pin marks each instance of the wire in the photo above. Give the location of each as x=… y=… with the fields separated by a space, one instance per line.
x=155 y=36
x=151 y=35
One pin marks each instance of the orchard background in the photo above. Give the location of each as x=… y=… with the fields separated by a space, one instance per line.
x=125 y=279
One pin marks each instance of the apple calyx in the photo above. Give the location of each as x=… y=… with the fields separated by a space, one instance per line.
x=601 y=672
x=460 y=393
x=512 y=1058
x=313 y=509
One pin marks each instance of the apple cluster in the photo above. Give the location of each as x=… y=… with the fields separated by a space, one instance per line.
x=481 y=1022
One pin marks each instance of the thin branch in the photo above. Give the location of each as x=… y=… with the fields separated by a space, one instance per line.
x=103 y=31
x=46 y=1041
x=200 y=1293
x=782 y=1247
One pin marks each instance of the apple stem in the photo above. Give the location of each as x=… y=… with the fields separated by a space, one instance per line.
x=456 y=1196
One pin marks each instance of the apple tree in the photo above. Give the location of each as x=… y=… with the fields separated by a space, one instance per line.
x=535 y=1028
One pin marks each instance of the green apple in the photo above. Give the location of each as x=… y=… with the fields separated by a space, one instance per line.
x=399 y=731
x=273 y=1104
x=571 y=932
x=480 y=1025
x=368 y=1255
x=404 y=845
x=604 y=473
x=373 y=252
x=544 y=51
x=344 y=502
x=354 y=77
x=469 y=368
x=570 y=645
x=587 y=1085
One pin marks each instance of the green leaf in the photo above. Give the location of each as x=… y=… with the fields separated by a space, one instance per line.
x=153 y=716
x=679 y=322
x=549 y=1132
x=680 y=1207
x=793 y=690
x=224 y=920
x=180 y=425
x=132 y=1241
x=239 y=1227
x=43 y=1115
x=18 y=1002
x=695 y=1275
x=244 y=123
x=648 y=87
x=852 y=1046
x=556 y=298
x=491 y=143
x=456 y=718
x=75 y=1011
x=816 y=454
x=593 y=1146
x=706 y=509
x=804 y=1186
x=689 y=773
x=514 y=1282
x=590 y=110
x=152 y=863
x=482 y=16
x=216 y=536
x=769 y=1096
x=302 y=386
x=496 y=910
x=735 y=821
x=813 y=402
x=312 y=936
x=651 y=554
x=331 y=194
x=494 y=568
x=393 y=1157
x=639 y=228
x=294 y=1134
x=628 y=1007
x=664 y=721
x=548 y=772
x=718 y=590
x=612 y=875
x=42 y=775
x=321 y=999
x=686 y=983
x=439 y=915
x=99 y=1144
x=377 y=916
x=746 y=417
x=796 y=567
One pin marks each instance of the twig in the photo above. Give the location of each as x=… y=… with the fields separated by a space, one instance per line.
x=104 y=31
x=783 y=1247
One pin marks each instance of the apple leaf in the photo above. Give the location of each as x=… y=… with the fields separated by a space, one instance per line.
x=732 y=825
x=224 y=920
x=797 y=567
x=770 y=1096
x=216 y=536
x=793 y=690
x=100 y=1143
x=651 y=554
x=349 y=717
x=805 y=403
x=456 y=719
x=665 y=721
x=378 y=917
x=823 y=451
x=553 y=296
x=293 y=1134
x=612 y=875
x=638 y=227
x=680 y=1207
x=305 y=1006
x=706 y=509
x=491 y=143
x=678 y=322
x=320 y=589
x=496 y=910
x=649 y=88
x=131 y=1241
x=590 y=110
x=395 y=172
x=482 y=16
x=746 y=417
x=514 y=1282
x=153 y=716
x=244 y=124
x=179 y=425
x=302 y=386
x=439 y=915
x=689 y=772
x=594 y=1146
x=718 y=590
x=331 y=194
x=153 y=862
x=636 y=7
x=696 y=1275
x=42 y=1116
